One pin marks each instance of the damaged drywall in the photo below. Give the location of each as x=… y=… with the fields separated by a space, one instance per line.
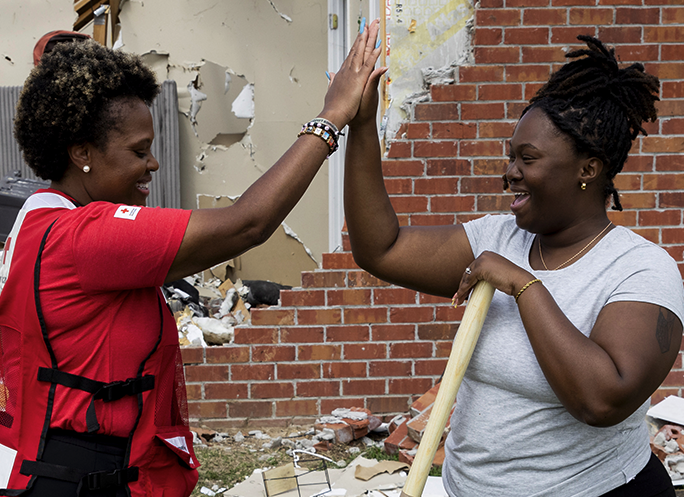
x=427 y=41
x=285 y=251
x=248 y=75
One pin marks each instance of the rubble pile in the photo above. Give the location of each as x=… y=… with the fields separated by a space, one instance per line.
x=207 y=310
x=666 y=424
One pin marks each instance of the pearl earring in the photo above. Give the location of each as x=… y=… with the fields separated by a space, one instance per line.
x=86 y=169
x=583 y=186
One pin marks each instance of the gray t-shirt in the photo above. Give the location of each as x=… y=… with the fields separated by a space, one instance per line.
x=510 y=435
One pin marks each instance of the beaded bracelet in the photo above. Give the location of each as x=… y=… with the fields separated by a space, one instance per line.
x=526 y=287
x=325 y=130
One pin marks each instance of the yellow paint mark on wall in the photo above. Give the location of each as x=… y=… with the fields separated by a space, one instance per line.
x=442 y=25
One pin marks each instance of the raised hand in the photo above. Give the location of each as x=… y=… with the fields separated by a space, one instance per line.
x=350 y=83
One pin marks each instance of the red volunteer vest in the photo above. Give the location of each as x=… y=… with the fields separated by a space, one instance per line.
x=159 y=460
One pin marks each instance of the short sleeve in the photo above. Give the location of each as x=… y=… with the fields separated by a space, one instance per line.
x=117 y=247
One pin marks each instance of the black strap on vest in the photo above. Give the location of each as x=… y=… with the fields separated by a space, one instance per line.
x=97 y=480
x=107 y=392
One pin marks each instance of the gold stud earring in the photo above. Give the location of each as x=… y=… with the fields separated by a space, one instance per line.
x=86 y=169
x=583 y=186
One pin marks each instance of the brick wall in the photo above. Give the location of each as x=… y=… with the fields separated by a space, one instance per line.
x=347 y=339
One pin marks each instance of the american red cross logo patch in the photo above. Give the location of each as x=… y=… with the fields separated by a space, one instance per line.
x=127 y=212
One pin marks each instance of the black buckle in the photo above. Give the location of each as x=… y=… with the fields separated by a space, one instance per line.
x=106 y=479
x=119 y=389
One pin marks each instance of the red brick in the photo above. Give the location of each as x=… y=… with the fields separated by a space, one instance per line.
x=402 y=167
x=500 y=92
x=410 y=350
x=531 y=55
x=624 y=218
x=671 y=52
x=272 y=316
x=362 y=278
x=412 y=314
x=437 y=331
x=318 y=388
x=638 y=16
x=358 y=315
x=399 y=440
x=229 y=390
x=363 y=387
x=481 y=185
x=494 y=203
x=671 y=16
x=650 y=234
x=430 y=368
x=399 y=149
x=494 y=148
x=319 y=352
x=638 y=200
x=432 y=219
x=255 y=335
x=393 y=332
x=409 y=385
x=449 y=313
x=250 y=409
x=204 y=410
x=394 y=296
x=482 y=111
x=249 y=372
x=272 y=353
x=322 y=279
x=497 y=17
x=302 y=297
x=329 y=405
x=672 y=199
x=528 y=72
x=628 y=182
x=348 y=334
x=443 y=349
x=448 y=167
x=674 y=126
x=566 y=35
x=676 y=252
x=435 y=148
x=592 y=16
x=296 y=407
x=437 y=112
x=386 y=404
x=623 y=2
x=526 y=36
x=674 y=378
x=515 y=109
x=206 y=373
x=227 y=354
x=399 y=186
x=491 y=4
x=488 y=74
x=418 y=131
x=660 y=218
x=301 y=334
x=653 y=144
x=390 y=368
x=319 y=316
x=669 y=163
x=298 y=371
x=340 y=260
x=349 y=297
x=453 y=93
x=272 y=390
x=434 y=299
x=487 y=36
x=453 y=130
x=663 y=34
x=409 y=204
x=436 y=186
x=192 y=355
x=452 y=203
x=544 y=17
x=193 y=391
x=354 y=351
x=496 y=55
x=636 y=163
x=663 y=181
x=670 y=107
x=567 y=3
x=344 y=369
x=489 y=166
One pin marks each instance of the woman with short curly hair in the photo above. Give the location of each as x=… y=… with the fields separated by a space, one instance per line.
x=587 y=318
x=92 y=393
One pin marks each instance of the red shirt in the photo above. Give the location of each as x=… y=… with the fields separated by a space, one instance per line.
x=99 y=288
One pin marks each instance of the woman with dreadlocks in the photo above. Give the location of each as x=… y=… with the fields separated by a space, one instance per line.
x=587 y=319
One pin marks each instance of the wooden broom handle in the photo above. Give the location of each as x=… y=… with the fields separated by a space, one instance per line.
x=461 y=352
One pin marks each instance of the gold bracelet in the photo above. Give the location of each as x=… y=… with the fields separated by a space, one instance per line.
x=526 y=287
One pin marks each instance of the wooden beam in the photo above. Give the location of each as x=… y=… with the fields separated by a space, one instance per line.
x=100 y=28
x=114 y=16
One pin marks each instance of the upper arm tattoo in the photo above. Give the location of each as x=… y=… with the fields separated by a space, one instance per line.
x=665 y=328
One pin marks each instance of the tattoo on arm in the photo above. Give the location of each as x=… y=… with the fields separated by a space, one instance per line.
x=665 y=329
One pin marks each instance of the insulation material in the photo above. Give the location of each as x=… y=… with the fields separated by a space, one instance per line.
x=422 y=37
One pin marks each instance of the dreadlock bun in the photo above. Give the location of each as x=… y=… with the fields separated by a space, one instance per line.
x=600 y=106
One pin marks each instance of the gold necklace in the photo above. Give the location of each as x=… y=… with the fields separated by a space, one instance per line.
x=574 y=256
